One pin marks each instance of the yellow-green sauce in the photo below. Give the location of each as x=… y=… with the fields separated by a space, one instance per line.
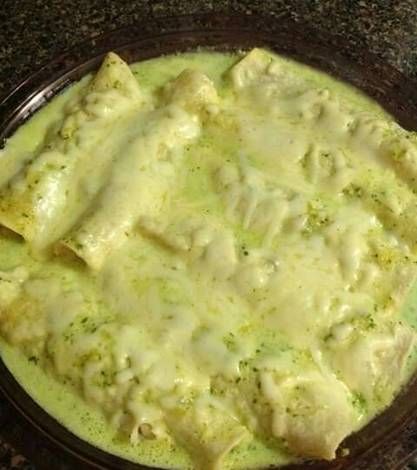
x=280 y=251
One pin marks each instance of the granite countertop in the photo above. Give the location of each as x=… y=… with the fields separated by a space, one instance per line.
x=34 y=31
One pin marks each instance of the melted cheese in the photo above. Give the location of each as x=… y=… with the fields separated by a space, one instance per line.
x=248 y=234
x=48 y=195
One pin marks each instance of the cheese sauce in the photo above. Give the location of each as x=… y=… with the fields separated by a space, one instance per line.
x=217 y=258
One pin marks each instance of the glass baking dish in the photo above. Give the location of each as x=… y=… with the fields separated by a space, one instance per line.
x=390 y=440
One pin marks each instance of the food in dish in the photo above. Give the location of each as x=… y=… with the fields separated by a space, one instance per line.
x=211 y=254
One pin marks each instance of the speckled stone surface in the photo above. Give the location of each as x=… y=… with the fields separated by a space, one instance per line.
x=34 y=31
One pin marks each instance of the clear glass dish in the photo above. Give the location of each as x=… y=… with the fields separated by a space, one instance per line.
x=390 y=440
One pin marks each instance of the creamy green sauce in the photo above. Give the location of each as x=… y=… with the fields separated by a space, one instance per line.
x=58 y=399
x=194 y=185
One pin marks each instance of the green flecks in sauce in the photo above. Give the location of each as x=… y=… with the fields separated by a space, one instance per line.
x=221 y=277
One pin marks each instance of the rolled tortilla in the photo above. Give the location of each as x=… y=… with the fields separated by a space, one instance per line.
x=141 y=178
x=250 y=68
x=43 y=201
x=208 y=443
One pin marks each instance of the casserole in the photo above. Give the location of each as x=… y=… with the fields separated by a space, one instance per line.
x=290 y=39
